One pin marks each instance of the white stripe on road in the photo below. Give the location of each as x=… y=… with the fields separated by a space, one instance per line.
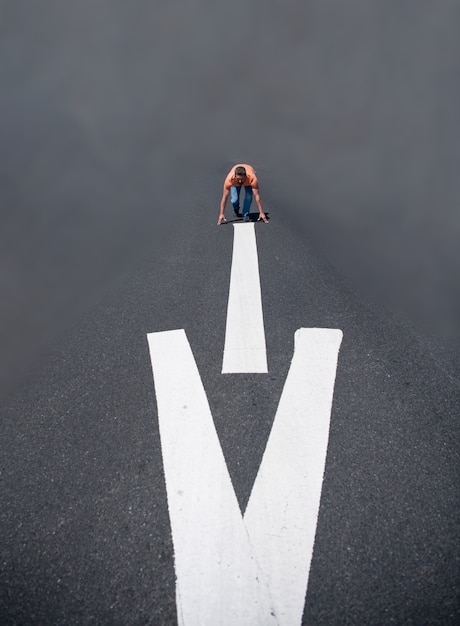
x=218 y=580
x=255 y=571
x=244 y=349
x=282 y=511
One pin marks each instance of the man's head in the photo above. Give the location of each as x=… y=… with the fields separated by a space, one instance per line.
x=240 y=174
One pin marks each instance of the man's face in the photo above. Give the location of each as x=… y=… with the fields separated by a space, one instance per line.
x=240 y=179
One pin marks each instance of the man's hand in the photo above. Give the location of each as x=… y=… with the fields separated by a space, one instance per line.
x=221 y=219
x=263 y=217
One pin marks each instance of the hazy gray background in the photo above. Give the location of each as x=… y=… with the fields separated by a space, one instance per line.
x=116 y=115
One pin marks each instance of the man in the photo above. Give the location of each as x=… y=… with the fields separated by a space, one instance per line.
x=241 y=175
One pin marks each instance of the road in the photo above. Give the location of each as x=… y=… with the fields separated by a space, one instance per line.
x=118 y=125
x=85 y=528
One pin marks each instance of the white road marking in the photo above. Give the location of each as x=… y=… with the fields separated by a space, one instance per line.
x=254 y=571
x=282 y=511
x=244 y=349
x=218 y=580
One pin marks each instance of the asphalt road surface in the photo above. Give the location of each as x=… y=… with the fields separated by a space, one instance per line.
x=85 y=530
x=119 y=123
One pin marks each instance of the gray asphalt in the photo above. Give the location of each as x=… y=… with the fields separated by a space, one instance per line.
x=85 y=531
x=118 y=125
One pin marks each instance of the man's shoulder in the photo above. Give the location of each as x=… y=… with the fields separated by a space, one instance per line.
x=250 y=174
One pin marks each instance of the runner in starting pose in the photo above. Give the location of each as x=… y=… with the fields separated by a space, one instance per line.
x=241 y=175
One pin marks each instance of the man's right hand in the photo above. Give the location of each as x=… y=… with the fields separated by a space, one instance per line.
x=221 y=220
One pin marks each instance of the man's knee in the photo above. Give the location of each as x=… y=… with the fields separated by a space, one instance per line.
x=234 y=196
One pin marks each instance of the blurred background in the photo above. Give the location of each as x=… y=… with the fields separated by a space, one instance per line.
x=120 y=119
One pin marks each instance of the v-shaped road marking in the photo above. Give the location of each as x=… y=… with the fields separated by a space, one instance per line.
x=230 y=569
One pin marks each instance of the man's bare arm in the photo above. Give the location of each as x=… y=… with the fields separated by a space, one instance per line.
x=223 y=202
x=262 y=215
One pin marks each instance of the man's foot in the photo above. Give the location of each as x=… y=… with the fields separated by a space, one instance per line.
x=246 y=218
x=237 y=213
